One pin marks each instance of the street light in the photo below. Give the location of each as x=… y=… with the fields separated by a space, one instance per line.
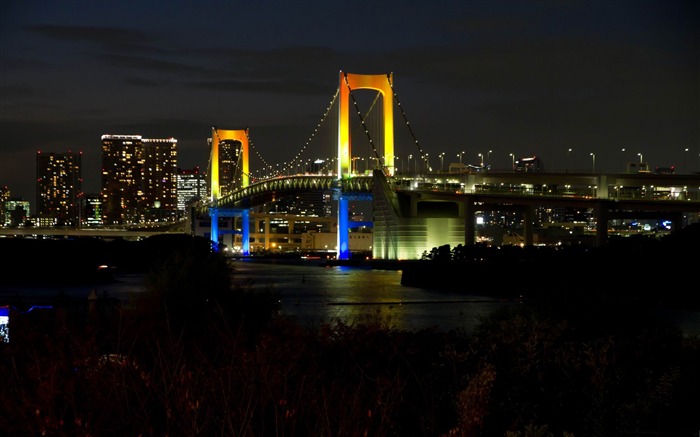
x=442 y=158
x=568 y=160
x=409 y=162
x=482 y=159
x=461 y=154
x=512 y=156
x=622 y=157
x=641 y=158
x=488 y=157
x=593 y=155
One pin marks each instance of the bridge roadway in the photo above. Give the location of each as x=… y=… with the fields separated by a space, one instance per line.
x=414 y=197
x=105 y=233
x=565 y=185
x=633 y=195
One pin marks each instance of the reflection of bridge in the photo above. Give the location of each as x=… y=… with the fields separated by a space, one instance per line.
x=413 y=213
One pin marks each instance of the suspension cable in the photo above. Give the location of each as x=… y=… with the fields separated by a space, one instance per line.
x=403 y=114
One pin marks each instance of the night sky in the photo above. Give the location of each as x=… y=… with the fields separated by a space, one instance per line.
x=522 y=77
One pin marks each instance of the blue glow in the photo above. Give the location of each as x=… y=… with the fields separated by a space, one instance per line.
x=343 y=229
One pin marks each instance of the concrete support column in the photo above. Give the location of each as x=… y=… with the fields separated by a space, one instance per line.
x=214 y=234
x=602 y=192
x=343 y=250
x=267 y=232
x=469 y=221
x=245 y=232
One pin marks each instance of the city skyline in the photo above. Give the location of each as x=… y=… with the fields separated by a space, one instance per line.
x=572 y=82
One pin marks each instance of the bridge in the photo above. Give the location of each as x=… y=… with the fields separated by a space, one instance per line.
x=416 y=211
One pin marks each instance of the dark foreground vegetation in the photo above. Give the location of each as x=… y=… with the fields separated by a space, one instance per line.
x=198 y=356
x=630 y=270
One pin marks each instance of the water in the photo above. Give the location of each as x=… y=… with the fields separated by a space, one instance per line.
x=313 y=294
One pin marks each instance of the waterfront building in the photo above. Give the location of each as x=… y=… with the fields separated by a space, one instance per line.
x=191 y=187
x=4 y=197
x=16 y=212
x=92 y=208
x=58 y=188
x=121 y=179
x=138 y=179
x=159 y=176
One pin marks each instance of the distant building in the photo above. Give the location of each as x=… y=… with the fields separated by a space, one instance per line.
x=16 y=212
x=159 y=176
x=121 y=179
x=4 y=197
x=92 y=210
x=138 y=179
x=191 y=187
x=58 y=188
x=637 y=167
x=531 y=164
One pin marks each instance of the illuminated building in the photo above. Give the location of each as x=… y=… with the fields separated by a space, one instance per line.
x=58 y=188
x=159 y=176
x=121 y=179
x=138 y=179
x=16 y=212
x=191 y=187
x=4 y=197
x=92 y=210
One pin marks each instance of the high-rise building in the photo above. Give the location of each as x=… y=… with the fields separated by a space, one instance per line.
x=58 y=188
x=159 y=176
x=138 y=179
x=92 y=208
x=16 y=212
x=4 y=197
x=191 y=187
x=121 y=179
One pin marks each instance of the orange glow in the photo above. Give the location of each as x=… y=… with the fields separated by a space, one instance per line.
x=217 y=136
x=378 y=82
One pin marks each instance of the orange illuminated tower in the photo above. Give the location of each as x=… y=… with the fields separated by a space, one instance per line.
x=348 y=82
x=229 y=152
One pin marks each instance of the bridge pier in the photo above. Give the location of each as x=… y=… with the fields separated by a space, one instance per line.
x=215 y=213
x=343 y=250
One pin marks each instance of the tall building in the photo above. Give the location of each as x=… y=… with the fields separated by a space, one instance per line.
x=159 y=176
x=58 y=188
x=16 y=212
x=4 y=197
x=138 y=179
x=92 y=210
x=191 y=187
x=121 y=179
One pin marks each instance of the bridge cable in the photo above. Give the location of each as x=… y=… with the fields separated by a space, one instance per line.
x=403 y=114
x=297 y=158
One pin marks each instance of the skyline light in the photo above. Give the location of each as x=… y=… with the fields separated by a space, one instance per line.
x=552 y=80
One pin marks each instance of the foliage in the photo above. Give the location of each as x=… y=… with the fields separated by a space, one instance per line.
x=199 y=357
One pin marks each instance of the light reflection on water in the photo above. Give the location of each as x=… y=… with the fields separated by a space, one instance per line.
x=313 y=294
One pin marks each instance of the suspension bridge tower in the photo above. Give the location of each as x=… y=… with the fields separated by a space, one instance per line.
x=218 y=137
x=348 y=82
